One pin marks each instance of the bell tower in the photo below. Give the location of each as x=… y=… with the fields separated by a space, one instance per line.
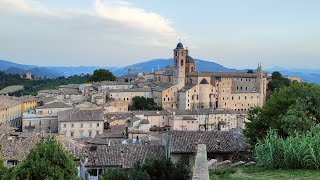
x=179 y=58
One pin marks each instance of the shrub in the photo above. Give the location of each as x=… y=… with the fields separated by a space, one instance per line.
x=297 y=151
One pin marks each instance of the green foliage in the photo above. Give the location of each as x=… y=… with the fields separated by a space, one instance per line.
x=3 y=169
x=297 y=151
x=250 y=71
x=102 y=75
x=142 y=103
x=221 y=173
x=48 y=160
x=263 y=173
x=31 y=87
x=296 y=107
x=153 y=169
x=278 y=81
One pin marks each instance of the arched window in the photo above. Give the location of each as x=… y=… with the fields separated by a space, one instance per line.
x=181 y=62
x=191 y=68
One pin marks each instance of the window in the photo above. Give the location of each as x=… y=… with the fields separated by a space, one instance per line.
x=181 y=62
x=72 y=125
x=71 y=134
x=64 y=133
x=90 y=133
x=64 y=125
x=98 y=124
x=97 y=132
x=81 y=133
x=81 y=125
x=90 y=125
x=39 y=123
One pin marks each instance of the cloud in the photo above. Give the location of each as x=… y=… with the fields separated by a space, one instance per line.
x=126 y=14
x=65 y=36
x=26 y=6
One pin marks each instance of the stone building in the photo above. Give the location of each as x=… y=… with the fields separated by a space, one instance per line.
x=182 y=87
x=127 y=94
x=10 y=112
x=78 y=123
x=221 y=145
x=43 y=118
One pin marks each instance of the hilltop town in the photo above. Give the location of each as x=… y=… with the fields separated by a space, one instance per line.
x=199 y=114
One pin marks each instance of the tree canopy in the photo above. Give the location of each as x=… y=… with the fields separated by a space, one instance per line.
x=278 y=81
x=289 y=109
x=142 y=103
x=154 y=168
x=48 y=160
x=102 y=75
x=31 y=87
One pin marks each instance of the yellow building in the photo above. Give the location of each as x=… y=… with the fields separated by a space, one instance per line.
x=10 y=112
x=27 y=103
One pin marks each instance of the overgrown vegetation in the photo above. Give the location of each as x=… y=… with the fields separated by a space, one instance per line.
x=262 y=173
x=31 y=87
x=289 y=109
x=102 y=75
x=298 y=151
x=155 y=168
x=48 y=160
x=278 y=81
x=142 y=103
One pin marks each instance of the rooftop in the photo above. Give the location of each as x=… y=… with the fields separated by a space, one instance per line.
x=54 y=105
x=78 y=114
x=121 y=155
x=6 y=102
x=216 y=141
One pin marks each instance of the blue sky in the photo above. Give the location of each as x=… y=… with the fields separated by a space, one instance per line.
x=115 y=33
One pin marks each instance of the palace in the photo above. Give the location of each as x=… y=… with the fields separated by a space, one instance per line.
x=183 y=87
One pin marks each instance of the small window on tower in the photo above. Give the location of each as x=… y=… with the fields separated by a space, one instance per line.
x=181 y=62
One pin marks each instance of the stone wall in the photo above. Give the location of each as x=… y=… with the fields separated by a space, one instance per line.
x=200 y=170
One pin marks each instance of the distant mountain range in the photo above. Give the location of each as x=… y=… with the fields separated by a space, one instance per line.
x=308 y=75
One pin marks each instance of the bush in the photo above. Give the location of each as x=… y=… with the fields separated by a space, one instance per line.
x=154 y=168
x=297 y=151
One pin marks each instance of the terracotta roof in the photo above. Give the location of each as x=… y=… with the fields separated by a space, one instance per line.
x=13 y=148
x=121 y=155
x=223 y=74
x=187 y=87
x=6 y=102
x=54 y=105
x=77 y=114
x=216 y=141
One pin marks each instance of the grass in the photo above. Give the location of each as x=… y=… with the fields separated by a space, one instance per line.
x=11 y=89
x=261 y=173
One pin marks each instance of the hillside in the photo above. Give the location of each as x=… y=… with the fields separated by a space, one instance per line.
x=148 y=66
x=308 y=75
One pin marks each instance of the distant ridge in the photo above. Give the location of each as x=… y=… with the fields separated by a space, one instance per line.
x=145 y=66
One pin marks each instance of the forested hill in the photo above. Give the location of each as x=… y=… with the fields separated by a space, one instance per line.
x=31 y=87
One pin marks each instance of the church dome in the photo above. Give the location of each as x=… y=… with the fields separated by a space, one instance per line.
x=179 y=46
x=189 y=59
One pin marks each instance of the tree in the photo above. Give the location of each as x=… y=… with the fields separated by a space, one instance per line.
x=48 y=160
x=154 y=168
x=3 y=169
x=102 y=75
x=278 y=81
x=250 y=71
x=291 y=108
x=142 y=103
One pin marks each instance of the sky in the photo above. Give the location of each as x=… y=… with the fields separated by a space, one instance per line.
x=237 y=34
